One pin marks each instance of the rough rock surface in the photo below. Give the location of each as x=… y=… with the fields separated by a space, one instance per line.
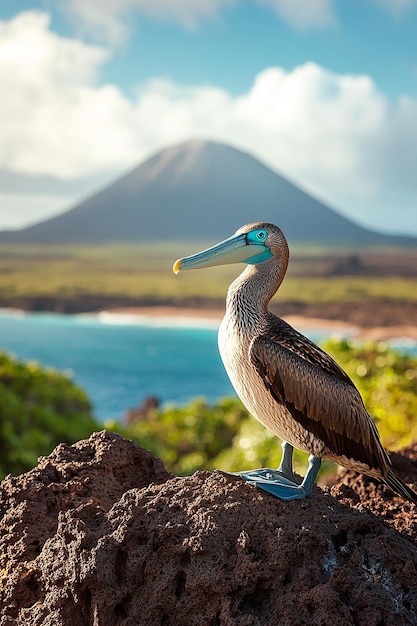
x=100 y=534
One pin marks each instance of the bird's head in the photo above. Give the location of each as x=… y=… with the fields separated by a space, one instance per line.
x=252 y=244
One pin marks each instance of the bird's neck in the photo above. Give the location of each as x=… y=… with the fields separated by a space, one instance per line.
x=249 y=295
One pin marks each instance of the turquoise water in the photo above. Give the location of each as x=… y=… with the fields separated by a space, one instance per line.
x=119 y=365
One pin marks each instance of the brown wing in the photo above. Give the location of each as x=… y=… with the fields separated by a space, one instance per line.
x=321 y=400
x=280 y=331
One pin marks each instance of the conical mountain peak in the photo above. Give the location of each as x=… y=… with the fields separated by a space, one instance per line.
x=200 y=190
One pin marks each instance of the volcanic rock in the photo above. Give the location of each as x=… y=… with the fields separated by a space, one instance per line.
x=99 y=534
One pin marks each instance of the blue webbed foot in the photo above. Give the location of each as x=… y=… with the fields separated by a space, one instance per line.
x=281 y=482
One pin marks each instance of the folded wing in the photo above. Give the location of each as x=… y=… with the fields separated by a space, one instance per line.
x=319 y=396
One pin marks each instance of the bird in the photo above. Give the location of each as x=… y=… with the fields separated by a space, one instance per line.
x=287 y=382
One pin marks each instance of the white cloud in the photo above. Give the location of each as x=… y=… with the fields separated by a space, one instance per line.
x=335 y=135
x=108 y=19
x=58 y=121
x=304 y=13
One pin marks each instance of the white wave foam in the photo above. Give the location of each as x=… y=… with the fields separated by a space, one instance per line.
x=8 y=312
x=123 y=319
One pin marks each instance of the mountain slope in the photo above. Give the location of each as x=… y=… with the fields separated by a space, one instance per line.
x=199 y=190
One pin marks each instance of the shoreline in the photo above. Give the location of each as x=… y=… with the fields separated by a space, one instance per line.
x=211 y=317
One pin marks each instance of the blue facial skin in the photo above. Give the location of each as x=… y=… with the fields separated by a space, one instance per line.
x=258 y=237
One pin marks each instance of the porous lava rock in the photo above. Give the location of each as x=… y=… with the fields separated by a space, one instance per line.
x=99 y=534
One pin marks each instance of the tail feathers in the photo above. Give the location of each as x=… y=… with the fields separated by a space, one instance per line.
x=399 y=487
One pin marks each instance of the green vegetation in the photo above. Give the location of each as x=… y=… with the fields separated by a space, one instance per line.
x=41 y=408
x=38 y=409
x=143 y=273
x=387 y=381
x=138 y=272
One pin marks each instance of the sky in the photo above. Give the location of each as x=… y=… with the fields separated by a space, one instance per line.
x=322 y=91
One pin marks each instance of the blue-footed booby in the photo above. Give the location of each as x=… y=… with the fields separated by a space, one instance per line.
x=285 y=381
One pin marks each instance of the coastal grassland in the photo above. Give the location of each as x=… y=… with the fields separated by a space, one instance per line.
x=142 y=274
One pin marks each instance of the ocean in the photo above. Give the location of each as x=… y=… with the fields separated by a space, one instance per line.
x=121 y=360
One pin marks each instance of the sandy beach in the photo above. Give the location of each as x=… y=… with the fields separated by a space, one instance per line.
x=302 y=323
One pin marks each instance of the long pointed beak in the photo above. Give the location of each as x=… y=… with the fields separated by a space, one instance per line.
x=235 y=249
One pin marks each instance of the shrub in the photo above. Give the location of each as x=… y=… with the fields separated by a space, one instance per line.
x=39 y=408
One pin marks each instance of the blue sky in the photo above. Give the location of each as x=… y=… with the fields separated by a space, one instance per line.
x=323 y=91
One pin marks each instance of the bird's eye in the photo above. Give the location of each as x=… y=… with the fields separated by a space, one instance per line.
x=261 y=235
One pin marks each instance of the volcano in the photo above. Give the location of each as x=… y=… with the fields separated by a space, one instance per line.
x=201 y=191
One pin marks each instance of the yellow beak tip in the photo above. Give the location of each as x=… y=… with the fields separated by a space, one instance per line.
x=177 y=266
